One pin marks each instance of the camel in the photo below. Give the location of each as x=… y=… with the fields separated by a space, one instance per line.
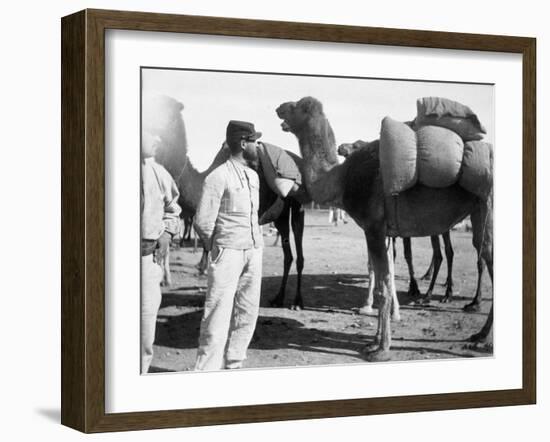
x=187 y=215
x=356 y=186
x=164 y=119
x=345 y=150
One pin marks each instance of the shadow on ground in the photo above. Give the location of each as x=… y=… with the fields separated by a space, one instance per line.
x=288 y=330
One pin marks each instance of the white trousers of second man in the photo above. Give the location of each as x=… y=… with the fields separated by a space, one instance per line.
x=231 y=308
x=151 y=297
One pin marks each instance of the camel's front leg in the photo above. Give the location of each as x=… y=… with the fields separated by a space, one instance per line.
x=297 y=222
x=379 y=254
x=366 y=308
x=282 y=225
x=449 y=255
x=395 y=315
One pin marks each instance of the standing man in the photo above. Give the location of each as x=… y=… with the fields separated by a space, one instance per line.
x=159 y=223
x=227 y=222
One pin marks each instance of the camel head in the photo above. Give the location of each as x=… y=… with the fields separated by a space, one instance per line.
x=161 y=116
x=296 y=115
x=346 y=149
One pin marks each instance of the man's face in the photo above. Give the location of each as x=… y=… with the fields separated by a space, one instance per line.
x=250 y=152
x=149 y=144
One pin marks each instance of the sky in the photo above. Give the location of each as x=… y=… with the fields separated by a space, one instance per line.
x=354 y=107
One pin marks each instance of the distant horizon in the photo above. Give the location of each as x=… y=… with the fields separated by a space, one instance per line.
x=354 y=106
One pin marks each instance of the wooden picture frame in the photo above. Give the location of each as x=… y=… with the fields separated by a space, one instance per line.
x=83 y=220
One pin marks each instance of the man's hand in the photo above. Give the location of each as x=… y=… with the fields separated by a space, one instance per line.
x=164 y=246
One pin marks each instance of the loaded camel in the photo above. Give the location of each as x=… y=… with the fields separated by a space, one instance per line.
x=164 y=119
x=347 y=149
x=356 y=186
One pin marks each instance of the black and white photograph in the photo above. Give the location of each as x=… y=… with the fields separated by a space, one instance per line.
x=310 y=220
x=270 y=221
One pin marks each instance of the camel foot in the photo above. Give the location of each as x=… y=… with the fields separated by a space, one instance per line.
x=365 y=310
x=414 y=293
x=472 y=308
x=378 y=355
x=395 y=317
x=448 y=295
x=296 y=307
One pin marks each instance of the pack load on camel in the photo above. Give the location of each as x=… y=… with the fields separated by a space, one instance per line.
x=441 y=148
x=436 y=111
x=281 y=169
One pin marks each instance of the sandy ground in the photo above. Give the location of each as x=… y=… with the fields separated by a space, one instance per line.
x=329 y=330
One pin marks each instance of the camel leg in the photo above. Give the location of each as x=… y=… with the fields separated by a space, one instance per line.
x=196 y=242
x=297 y=222
x=429 y=273
x=395 y=315
x=475 y=305
x=377 y=247
x=482 y=229
x=449 y=255
x=366 y=308
x=413 y=286
x=438 y=259
x=202 y=265
x=182 y=237
x=187 y=229
x=282 y=226
x=481 y=336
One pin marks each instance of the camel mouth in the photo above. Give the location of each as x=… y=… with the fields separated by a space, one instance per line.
x=343 y=149
x=285 y=126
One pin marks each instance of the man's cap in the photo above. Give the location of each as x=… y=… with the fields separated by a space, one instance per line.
x=241 y=130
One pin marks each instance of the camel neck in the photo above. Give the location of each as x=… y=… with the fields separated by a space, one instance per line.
x=323 y=174
x=190 y=184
